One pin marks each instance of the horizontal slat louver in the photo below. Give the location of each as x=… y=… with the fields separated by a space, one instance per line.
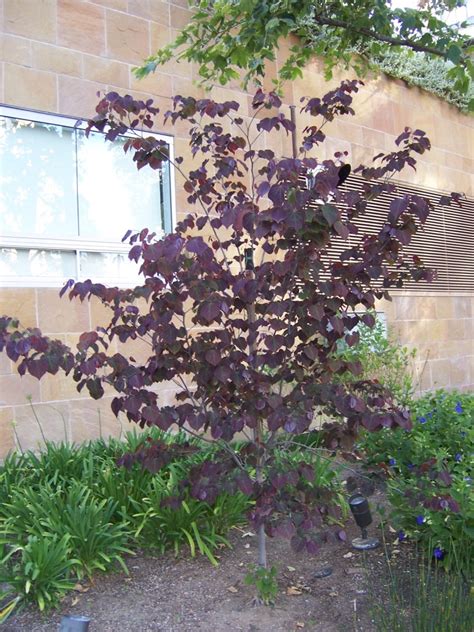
x=445 y=244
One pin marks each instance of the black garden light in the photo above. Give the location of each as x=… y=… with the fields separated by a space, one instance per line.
x=74 y=623
x=360 y=510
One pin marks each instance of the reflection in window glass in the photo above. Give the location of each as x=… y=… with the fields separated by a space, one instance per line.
x=113 y=195
x=37 y=179
x=17 y=262
x=103 y=265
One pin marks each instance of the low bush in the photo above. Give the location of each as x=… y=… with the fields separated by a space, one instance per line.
x=382 y=359
x=430 y=468
x=39 y=571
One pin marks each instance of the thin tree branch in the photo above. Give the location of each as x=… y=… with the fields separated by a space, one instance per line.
x=394 y=41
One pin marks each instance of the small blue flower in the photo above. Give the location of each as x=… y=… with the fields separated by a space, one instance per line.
x=401 y=536
x=392 y=462
x=468 y=479
x=410 y=466
x=438 y=553
x=458 y=457
x=458 y=408
x=429 y=415
x=463 y=433
x=420 y=519
x=422 y=420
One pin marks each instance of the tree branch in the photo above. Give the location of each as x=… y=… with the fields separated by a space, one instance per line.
x=394 y=41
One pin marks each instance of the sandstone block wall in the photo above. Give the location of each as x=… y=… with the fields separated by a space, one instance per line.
x=56 y=54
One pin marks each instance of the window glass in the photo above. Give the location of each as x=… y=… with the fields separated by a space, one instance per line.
x=113 y=195
x=37 y=179
x=21 y=262
x=109 y=265
x=61 y=191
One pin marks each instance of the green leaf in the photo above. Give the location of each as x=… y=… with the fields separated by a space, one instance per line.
x=330 y=214
x=454 y=54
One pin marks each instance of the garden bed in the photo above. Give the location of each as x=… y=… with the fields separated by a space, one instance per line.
x=170 y=595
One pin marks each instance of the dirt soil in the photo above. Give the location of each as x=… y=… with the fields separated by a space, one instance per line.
x=168 y=594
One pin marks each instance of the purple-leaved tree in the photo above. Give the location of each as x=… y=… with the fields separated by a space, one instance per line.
x=243 y=306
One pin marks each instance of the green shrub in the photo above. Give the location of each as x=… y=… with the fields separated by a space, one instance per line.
x=265 y=582
x=382 y=359
x=95 y=541
x=430 y=486
x=38 y=571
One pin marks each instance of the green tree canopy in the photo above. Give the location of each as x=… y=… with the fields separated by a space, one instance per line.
x=231 y=38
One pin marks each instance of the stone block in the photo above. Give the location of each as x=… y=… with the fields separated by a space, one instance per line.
x=440 y=373
x=19 y=303
x=60 y=387
x=16 y=389
x=422 y=376
x=463 y=307
x=81 y=26
x=105 y=71
x=426 y=307
x=160 y=36
x=30 y=88
x=92 y=419
x=5 y=364
x=187 y=87
x=179 y=17
x=405 y=307
x=460 y=374
x=156 y=83
x=35 y=19
x=127 y=37
x=154 y=10
x=118 y=5
x=7 y=435
x=46 y=421
x=100 y=314
x=456 y=329
x=56 y=59
x=374 y=138
x=16 y=50
x=444 y=307
x=59 y=315
x=78 y=97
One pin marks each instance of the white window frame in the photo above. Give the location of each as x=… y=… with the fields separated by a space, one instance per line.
x=74 y=244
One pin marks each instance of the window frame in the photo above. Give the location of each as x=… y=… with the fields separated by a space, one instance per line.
x=74 y=244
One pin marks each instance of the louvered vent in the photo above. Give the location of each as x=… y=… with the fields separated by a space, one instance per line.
x=445 y=244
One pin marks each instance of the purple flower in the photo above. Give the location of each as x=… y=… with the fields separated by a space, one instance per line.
x=420 y=519
x=392 y=462
x=401 y=536
x=458 y=408
x=458 y=457
x=438 y=553
x=429 y=415
x=422 y=420
x=410 y=466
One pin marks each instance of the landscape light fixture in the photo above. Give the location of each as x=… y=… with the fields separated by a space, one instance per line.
x=74 y=623
x=360 y=510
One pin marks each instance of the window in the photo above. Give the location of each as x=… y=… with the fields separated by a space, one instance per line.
x=66 y=201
